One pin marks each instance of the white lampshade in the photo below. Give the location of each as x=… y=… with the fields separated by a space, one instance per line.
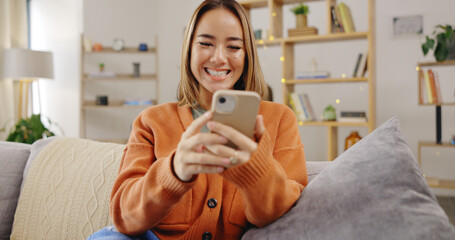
x=25 y=63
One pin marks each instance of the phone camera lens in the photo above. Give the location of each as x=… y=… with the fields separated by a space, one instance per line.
x=222 y=100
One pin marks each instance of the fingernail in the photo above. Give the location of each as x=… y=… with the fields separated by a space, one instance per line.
x=220 y=169
x=207 y=114
x=223 y=139
x=210 y=124
x=226 y=161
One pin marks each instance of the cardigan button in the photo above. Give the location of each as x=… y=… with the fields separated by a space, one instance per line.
x=207 y=236
x=212 y=203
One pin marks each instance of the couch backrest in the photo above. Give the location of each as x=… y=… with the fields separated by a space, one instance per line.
x=66 y=192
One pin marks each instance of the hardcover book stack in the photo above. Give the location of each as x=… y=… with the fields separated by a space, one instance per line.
x=342 y=19
x=429 y=91
x=353 y=116
x=301 y=31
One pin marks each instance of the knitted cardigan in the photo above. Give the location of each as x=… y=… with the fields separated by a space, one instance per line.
x=148 y=195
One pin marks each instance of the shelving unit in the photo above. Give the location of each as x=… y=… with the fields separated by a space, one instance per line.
x=435 y=181
x=288 y=80
x=89 y=105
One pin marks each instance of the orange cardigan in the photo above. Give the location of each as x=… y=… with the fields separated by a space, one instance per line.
x=148 y=195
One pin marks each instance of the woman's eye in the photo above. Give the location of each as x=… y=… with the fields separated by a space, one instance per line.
x=205 y=44
x=234 y=47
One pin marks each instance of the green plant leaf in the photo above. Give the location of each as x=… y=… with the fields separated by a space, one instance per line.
x=429 y=43
x=29 y=130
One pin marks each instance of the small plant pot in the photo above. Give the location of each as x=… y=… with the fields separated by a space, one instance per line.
x=301 y=20
x=451 y=48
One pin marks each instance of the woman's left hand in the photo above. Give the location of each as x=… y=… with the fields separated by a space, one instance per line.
x=246 y=146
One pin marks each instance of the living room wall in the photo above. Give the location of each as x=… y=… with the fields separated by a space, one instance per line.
x=396 y=58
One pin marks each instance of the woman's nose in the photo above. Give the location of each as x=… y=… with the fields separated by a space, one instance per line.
x=219 y=56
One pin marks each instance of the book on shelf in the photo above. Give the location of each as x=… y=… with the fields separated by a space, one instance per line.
x=434 y=91
x=301 y=105
x=346 y=17
x=302 y=31
x=312 y=74
x=365 y=66
x=337 y=11
x=429 y=94
x=353 y=116
x=357 y=64
x=438 y=89
x=309 y=107
x=101 y=74
x=421 y=87
x=296 y=106
x=336 y=21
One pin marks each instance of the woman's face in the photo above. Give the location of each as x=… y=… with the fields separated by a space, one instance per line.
x=217 y=52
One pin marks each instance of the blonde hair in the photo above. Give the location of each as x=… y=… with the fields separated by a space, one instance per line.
x=251 y=79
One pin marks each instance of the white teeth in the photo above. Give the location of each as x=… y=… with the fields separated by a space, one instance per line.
x=217 y=73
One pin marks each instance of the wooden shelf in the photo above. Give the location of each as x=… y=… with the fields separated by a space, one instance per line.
x=440 y=183
x=134 y=50
x=437 y=104
x=126 y=77
x=430 y=64
x=314 y=38
x=114 y=104
x=89 y=108
x=264 y=3
x=324 y=80
x=327 y=38
x=434 y=144
x=333 y=124
x=275 y=31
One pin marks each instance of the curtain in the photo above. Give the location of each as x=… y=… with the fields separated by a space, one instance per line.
x=13 y=33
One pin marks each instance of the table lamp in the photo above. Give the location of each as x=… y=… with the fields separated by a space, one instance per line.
x=27 y=66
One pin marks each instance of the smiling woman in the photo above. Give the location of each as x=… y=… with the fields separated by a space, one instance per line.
x=179 y=179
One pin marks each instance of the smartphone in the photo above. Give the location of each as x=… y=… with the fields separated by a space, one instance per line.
x=237 y=109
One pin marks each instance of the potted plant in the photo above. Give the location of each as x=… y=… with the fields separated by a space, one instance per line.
x=29 y=130
x=443 y=42
x=301 y=12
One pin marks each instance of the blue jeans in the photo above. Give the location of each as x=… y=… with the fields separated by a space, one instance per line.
x=110 y=233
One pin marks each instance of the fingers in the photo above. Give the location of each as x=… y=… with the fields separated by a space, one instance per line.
x=196 y=125
x=239 y=139
x=235 y=157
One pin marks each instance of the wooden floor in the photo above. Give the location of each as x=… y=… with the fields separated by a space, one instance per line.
x=448 y=204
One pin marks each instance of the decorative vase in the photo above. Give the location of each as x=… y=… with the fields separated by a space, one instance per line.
x=352 y=139
x=136 y=71
x=301 y=20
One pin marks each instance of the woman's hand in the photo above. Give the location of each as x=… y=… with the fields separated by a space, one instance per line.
x=246 y=146
x=190 y=158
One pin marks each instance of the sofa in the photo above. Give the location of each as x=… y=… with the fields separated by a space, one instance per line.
x=59 y=188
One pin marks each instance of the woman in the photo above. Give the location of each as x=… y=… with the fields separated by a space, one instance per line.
x=169 y=186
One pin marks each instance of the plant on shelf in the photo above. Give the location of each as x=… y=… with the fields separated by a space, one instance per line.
x=444 y=37
x=301 y=11
x=29 y=130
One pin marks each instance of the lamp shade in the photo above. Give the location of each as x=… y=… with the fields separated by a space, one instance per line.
x=25 y=63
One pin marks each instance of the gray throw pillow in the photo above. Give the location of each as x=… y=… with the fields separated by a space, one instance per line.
x=374 y=190
x=13 y=157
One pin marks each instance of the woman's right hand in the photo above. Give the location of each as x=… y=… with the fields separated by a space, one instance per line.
x=190 y=158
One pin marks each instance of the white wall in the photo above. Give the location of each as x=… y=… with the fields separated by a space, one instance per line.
x=396 y=58
x=56 y=26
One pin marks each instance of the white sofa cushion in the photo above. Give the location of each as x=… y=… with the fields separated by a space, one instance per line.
x=67 y=189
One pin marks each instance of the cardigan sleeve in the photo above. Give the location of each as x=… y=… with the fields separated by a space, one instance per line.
x=145 y=189
x=274 y=177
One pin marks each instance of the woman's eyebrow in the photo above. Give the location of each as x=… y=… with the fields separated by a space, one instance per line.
x=213 y=37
